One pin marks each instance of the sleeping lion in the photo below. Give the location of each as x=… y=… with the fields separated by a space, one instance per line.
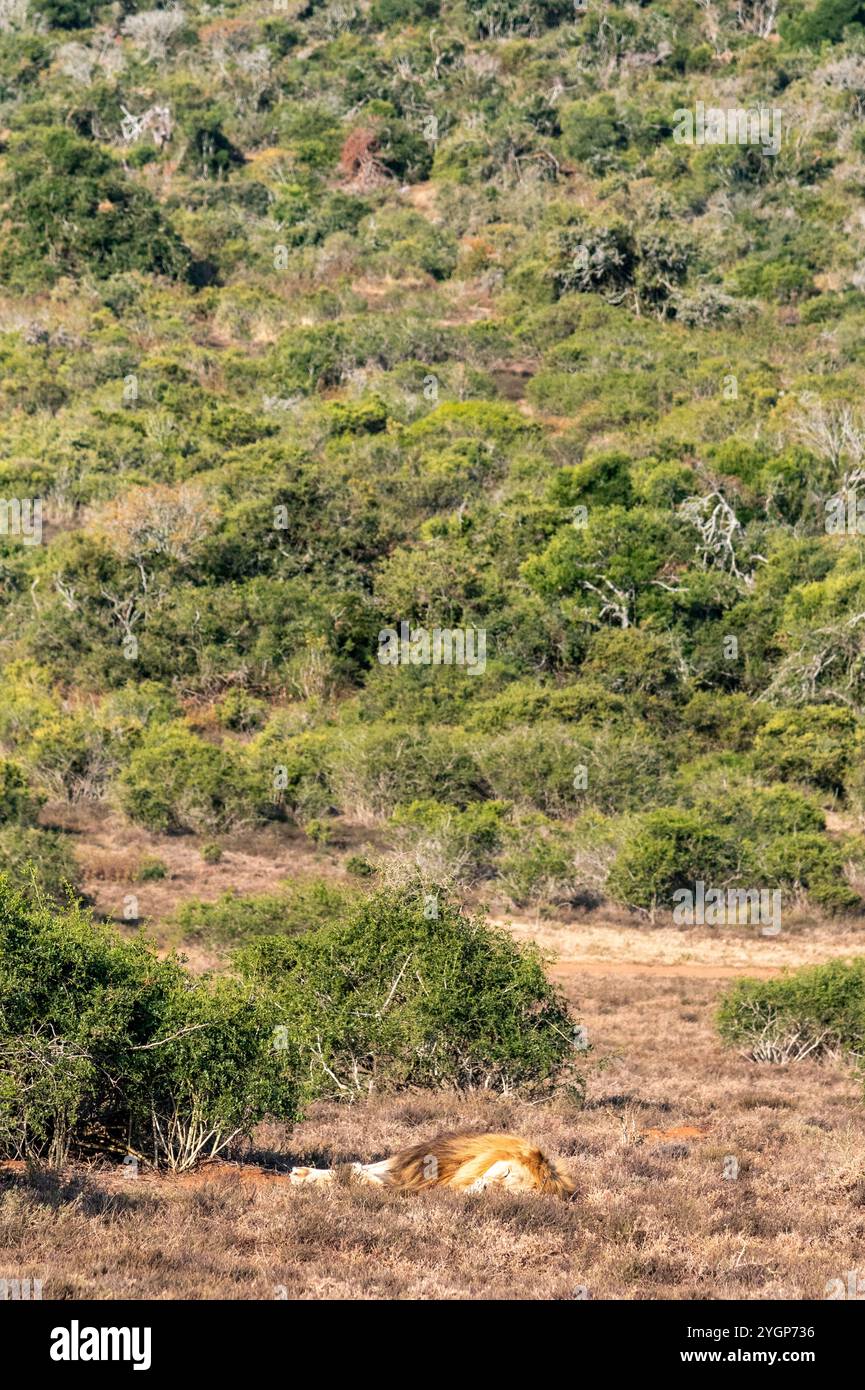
x=468 y=1162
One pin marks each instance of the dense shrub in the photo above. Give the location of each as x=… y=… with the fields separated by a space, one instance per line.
x=811 y=862
x=408 y=992
x=41 y=861
x=374 y=768
x=539 y=864
x=18 y=802
x=176 y=782
x=73 y=210
x=75 y=757
x=209 y=153
x=67 y=14
x=106 y=1047
x=495 y=18
x=669 y=849
x=525 y=702
x=448 y=842
x=234 y=918
x=771 y=838
x=825 y=20
x=815 y=744
x=803 y=1013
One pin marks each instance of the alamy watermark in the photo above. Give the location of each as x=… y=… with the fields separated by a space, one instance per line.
x=441 y=646
x=718 y=907
x=732 y=125
x=21 y=1290
x=852 y=1286
x=845 y=514
x=22 y=516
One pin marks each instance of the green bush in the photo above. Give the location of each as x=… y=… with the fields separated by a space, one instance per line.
x=814 y=744
x=801 y=1014
x=766 y=837
x=75 y=756
x=811 y=862
x=233 y=919
x=450 y=841
x=724 y=721
x=668 y=849
x=19 y=804
x=374 y=768
x=526 y=702
x=74 y=211
x=241 y=712
x=824 y=21
x=209 y=153
x=68 y=14
x=359 y=866
x=496 y=18
x=176 y=782
x=406 y=241
x=539 y=865
x=41 y=860
x=107 y=1048
x=409 y=992
x=534 y=766
x=150 y=870
x=592 y=131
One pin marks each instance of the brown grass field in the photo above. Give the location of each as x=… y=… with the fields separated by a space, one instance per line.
x=654 y=1216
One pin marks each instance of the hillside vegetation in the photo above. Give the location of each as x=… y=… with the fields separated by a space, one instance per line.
x=317 y=319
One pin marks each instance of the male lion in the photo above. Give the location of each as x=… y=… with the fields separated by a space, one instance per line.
x=466 y=1161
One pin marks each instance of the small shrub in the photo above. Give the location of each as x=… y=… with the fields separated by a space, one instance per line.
x=241 y=712
x=812 y=1010
x=149 y=870
x=359 y=866
x=317 y=830
x=211 y=853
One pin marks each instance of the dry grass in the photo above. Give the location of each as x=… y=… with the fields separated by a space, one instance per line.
x=110 y=851
x=654 y=1216
x=667 y=1107
x=708 y=952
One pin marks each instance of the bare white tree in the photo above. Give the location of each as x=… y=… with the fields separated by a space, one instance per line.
x=152 y=30
x=836 y=432
x=720 y=530
x=13 y=15
x=846 y=75
x=614 y=601
x=155 y=121
x=757 y=16
x=76 y=61
x=81 y=61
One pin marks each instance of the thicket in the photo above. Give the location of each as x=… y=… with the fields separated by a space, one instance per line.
x=805 y=1014
x=108 y=1048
